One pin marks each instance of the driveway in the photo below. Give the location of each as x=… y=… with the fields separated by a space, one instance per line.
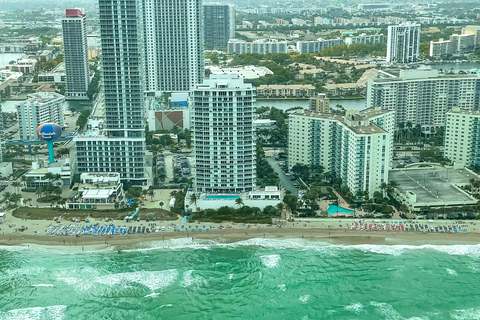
x=285 y=181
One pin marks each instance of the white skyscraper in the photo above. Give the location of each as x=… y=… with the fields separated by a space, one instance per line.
x=403 y=43
x=357 y=147
x=174 y=44
x=76 y=54
x=223 y=135
x=118 y=145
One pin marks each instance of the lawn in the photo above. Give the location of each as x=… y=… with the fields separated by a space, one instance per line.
x=50 y=213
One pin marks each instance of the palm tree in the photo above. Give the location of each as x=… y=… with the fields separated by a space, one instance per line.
x=239 y=201
x=193 y=199
x=29 y=200
x=38 y=192
x=7 y=195
x=151 y=193
x=15 y=197
x=16 y=184
x=161 y=204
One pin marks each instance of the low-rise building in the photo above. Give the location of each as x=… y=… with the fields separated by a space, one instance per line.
x=286 y=90
x=37 y=176
x=434 y=187
x=262 y=46
x=6 y=169
x=318 y=45
x=100 y=190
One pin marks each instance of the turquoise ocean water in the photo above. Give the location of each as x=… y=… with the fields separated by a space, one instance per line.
x=254 y=279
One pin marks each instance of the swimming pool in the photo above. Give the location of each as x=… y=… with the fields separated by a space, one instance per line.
x=332 y=209
x=221 y=197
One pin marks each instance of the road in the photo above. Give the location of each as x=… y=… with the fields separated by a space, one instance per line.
x=285 y=181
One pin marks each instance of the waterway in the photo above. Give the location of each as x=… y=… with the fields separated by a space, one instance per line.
x=452 y=66
x=5 y=58
x=285 y=104
x=10 y=106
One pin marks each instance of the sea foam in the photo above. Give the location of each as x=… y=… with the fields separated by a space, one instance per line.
x=151 y=279
x=466 y=314
x=40 y=313
x=305 y=245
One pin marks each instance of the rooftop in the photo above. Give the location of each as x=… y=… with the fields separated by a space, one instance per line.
x=359 y=123
x=465 y=111
x=431 y=184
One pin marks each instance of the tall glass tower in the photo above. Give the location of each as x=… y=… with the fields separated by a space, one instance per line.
x=118 y=144
x=174 y=44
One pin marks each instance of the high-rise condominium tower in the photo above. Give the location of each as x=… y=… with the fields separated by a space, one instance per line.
x=219 y=24
x=403 y=43
x=76 y=54
x=119 y=145
x=173 y=44
x=223 y=135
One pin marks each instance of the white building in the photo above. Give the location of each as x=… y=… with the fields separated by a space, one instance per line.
x=99 y=190
x=223 y=135
x=76 y=54
x=119 y=146
x=36 y=176
x=423 y=97
x=403 y=43
x=365 y=39
x=262 y=46
x=39 y=108
x=318 y=45
x=174 y=44
x=356 y=147
x=462 y=136
x=441 y=48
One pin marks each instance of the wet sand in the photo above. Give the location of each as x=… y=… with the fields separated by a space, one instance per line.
x=308 y=231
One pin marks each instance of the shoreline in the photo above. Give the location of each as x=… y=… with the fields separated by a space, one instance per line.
x=336 y=231
x=72 y=244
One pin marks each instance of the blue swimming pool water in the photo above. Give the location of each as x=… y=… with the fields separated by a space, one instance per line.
x=332 y=209
x=221 y=197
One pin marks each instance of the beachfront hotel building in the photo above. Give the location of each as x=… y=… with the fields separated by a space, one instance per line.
x=423 y=97
x=462 y=136
x=403 y=43
x=219 y=24
x=223 y=135
x=75 y=46
x=174 y=45
x=357 y=146
x=39 y=108
x=117 y=144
